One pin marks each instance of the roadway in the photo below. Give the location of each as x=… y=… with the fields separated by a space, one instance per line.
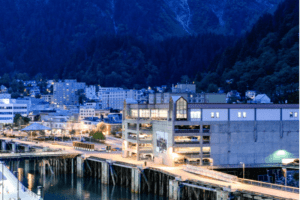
x=116 y=156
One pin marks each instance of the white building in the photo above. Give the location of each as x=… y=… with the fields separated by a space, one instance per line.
x=85 y=111
x=8 y=109
x=115 y=98
x=5 y=96
x=102 y=90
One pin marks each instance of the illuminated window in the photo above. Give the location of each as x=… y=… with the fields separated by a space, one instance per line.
x=154 y=113
x=244 y=114
x=144 y=113
x=181 y=109
x=296 y=114
x=217 y=115
x=134 y=113
x=239 y=114
x=195 y=115
x=212 y=114
x=291 y=114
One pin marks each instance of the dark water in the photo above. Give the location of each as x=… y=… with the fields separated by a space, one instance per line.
x=69 y=187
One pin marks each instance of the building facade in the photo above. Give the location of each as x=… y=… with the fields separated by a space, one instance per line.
x=115 y=98
x=210 y=134
x=158 y=98
x=47 y=98
x=9 y=108
x=65 y=93
x=85 y=112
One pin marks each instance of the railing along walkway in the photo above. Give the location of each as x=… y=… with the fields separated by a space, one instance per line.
x=231 y=178
x=11 y=155
x=269 y=185
x=210 y=173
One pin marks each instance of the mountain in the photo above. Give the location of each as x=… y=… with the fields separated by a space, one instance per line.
x=266 y=59
x=137 y=43
x=145 y=19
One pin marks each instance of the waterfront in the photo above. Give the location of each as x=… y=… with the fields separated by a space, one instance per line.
x=67 y=186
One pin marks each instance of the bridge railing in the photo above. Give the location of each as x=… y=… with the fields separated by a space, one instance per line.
x=210 y=173
x=270 y=185
x=32 y=154
x=15 y=182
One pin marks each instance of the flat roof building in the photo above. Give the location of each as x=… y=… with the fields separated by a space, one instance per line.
x=180 y=132
x=9 y=108
x=65 y=93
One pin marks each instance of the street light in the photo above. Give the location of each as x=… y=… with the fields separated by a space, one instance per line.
x=243 y=169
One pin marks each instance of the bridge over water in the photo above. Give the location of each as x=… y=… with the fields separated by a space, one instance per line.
x=173 y=182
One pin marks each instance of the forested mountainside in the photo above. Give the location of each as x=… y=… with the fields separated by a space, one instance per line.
x=266 y=59
x=40 y=35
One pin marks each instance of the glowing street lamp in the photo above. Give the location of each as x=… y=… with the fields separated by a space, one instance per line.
x=243 y=169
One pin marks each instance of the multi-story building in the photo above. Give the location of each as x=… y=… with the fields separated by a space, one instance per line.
x=65 y=93
x=86 y=111
x=158 y=98
x=8 y=109
x=104 y=90
x=115 y=98
x=48 y=98
x=210 y=134
x=184 y=88
x=5 y=96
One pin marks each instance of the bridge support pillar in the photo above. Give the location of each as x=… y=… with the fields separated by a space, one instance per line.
x=26 y=148
x=43 y=167
x=72 y=165
x=14 y=147
x=105 y=173
x=80 y=166
x=3 y=145
x=135 y=180
x=65 y=165
x=174 y=190
x=222 y=195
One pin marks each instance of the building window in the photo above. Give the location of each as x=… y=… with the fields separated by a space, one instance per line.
x=134 y=113
x=217 y=115
x=144 y=113
x=181 y=109
x=244 y=114
x=296 y=114
x=239 y=114
x=212 y=114
x=154 y=113
x=195 y=115
x=291 y=114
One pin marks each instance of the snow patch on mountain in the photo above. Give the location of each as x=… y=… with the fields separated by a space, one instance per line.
x=112 y=3
x=182 y=11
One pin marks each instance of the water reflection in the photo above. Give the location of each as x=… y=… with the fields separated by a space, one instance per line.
x=69 y=187
x=30 y=178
